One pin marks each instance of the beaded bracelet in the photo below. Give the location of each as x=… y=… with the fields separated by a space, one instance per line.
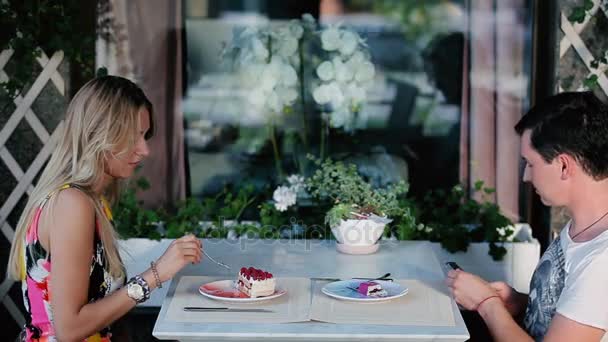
x=159 y=284
x=478 y=305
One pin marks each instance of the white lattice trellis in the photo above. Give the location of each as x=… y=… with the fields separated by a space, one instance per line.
x=573 y=39
x=25 y=178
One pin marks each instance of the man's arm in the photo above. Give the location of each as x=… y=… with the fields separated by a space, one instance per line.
x=501 y=323
x=562 y=329
x=514 y=301
x=565 y=329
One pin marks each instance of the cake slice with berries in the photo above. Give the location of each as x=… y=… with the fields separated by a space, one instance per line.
x=255 y=282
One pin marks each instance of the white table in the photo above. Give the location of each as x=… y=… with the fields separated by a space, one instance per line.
x=314 y=258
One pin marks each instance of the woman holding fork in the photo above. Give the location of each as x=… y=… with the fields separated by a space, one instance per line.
x=81 y=290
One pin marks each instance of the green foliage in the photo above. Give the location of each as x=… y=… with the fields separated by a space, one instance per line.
x=339 y=212
x=405 y=227
x=579 y=13
x=590 y=82
x=270 y=216
x=51 y=25
x=455 y=220
x=596 y=62
x=416 y=17
x=342 y=184
x=234 y=205
x=186 y=220
x=130 y=220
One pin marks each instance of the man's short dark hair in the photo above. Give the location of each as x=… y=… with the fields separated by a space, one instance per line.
x=575 y=123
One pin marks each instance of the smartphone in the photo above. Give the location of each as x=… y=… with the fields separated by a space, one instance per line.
x=453 y=265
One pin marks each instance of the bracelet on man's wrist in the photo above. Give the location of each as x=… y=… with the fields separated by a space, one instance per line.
x=159 y=283
x=484 y=300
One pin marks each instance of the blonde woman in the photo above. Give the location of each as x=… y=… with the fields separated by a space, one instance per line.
x=64 y=251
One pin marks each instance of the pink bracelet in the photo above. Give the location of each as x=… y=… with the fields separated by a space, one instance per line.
x=478 y=305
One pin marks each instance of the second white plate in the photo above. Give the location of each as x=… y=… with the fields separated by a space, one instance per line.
x=346 y=290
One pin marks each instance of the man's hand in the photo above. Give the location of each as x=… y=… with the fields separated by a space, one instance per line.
x=468 y=289
x=514 y=301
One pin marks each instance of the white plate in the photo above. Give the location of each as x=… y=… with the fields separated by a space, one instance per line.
x=345 y=290
x=226 y=290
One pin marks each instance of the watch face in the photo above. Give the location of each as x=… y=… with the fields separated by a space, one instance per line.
x=135 y=291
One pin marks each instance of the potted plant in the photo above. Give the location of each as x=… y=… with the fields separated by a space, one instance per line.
x=359 y=212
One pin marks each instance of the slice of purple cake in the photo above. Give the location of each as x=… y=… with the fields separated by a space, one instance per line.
x=371 y=289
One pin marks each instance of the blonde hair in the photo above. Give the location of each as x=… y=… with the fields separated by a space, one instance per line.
x=101 y=120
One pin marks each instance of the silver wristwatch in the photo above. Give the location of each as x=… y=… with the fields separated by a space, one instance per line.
x=138 y=289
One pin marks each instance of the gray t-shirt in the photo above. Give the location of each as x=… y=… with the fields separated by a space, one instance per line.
x=570 y=279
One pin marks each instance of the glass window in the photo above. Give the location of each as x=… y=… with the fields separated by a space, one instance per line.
x=406 y=128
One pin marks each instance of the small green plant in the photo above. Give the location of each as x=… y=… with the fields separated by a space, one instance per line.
x=351 y=195
x=455 y=220
x=130 y=219
x=187 y=219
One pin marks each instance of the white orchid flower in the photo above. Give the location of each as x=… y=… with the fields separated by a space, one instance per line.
x=251 y=74
x=307 y=17
x=365 y=72
x=273 y=102
x=269 y=79
x=321 y=94
x=287 y=95
x=289 y=77
x=340 y=118
x=343 y=73
x=325 y=71
x=288 y=46
x=335 y=94
x=297 y=31
x=330 y=39
x=257 y=97
x=350 y=40
x=355 y=93
x=259 y=50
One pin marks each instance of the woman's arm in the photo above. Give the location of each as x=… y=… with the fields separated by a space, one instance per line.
x=71 y=234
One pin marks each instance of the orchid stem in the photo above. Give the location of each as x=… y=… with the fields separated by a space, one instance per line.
x=275 y=150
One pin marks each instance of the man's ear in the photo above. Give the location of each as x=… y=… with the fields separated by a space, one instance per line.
x=567 y=164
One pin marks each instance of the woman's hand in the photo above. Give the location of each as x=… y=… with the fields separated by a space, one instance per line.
x=468 y=289
x=183 y=251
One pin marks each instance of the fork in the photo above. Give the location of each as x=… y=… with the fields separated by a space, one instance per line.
x=384 y=277
x=215 y=261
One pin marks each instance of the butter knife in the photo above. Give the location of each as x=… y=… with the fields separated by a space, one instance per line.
x=222 y=309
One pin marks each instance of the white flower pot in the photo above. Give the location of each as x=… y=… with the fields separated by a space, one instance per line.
x=358 y=236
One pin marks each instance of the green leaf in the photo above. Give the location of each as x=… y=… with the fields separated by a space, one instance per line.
x=588 y=5
x=578 y=15
x=590 y=82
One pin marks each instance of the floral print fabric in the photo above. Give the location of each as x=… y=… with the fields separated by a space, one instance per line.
x=37 y=296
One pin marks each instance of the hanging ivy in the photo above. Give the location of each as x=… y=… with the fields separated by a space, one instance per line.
x=579 y=13
x=44 y=25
